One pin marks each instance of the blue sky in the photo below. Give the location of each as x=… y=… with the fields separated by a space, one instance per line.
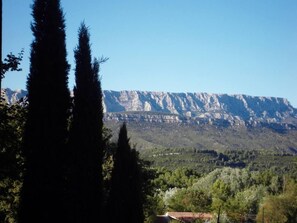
x=215 y=46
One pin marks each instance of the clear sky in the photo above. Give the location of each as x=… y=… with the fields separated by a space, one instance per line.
x=215 y=46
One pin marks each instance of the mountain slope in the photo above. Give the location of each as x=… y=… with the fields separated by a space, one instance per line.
x=190 y=107
x=202 y=105
x=199 y=120
x=171 y=135
x=13 y=96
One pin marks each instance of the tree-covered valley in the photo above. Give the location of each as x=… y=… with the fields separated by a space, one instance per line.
x=239 y=184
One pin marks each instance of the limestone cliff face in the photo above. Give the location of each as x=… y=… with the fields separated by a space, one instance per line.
x=190 y=107
x=235 y=108
x=13 y=96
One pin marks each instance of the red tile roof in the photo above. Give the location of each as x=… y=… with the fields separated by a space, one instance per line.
x=189 y=216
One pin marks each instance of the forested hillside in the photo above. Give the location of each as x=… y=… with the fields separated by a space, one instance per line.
x=206 y=136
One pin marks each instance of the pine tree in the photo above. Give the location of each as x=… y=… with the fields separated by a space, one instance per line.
x=85 y=143
x=126 y=192
x=46 y=128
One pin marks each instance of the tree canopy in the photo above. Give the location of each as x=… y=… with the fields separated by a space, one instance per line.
x=85 y=150
x=126 y=197
x=45 y=132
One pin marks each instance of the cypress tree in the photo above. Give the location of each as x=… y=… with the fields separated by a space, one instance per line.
x=126 y=192
x=0 y=48
x=46 y=128
x=85 y=143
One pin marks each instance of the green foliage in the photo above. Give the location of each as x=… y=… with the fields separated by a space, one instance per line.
x=9 y=199
x=11 y=130
x=189 y=200
x=11 y=63
x=234 y=194
x=205 y=161
x=220 y=193
x=280 y=208
x=245 y=203
x=210 y=137
x=239 y=193
x=154 y=205
x=180 y=177
x=236 y=179
x=12 y=119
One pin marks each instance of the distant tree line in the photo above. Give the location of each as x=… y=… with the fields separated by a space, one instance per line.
x=207 y=160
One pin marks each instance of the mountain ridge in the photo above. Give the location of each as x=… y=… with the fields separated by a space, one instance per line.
x=221 y=109
x=211 y=121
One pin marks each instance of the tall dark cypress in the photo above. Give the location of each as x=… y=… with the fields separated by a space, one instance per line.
x=46 y=128
x=126 y=192
x=0 y=48
x=85 y=143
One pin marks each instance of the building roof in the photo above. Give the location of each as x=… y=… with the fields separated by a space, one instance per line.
x=188 y=216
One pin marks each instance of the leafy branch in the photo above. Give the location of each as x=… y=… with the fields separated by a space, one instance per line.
x=11 y=63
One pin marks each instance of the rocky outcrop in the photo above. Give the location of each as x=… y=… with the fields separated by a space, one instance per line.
x=236 y=109
x=11 y=96
x=218 y=109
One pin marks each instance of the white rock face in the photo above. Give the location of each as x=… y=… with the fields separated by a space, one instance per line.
x=217 y=106
x=13 y=96
x=178 y=107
